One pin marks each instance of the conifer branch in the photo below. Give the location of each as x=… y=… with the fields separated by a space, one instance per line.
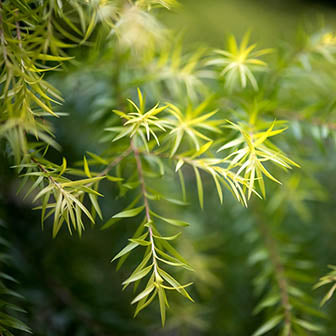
x=146 y=204
x=228 y=136
x=280 y=276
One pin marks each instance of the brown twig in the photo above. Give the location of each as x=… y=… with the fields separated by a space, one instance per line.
x=115 y=161
x=146 y=204
x=46 y=172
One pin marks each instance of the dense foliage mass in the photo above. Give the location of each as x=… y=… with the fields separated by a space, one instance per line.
x=166 y=124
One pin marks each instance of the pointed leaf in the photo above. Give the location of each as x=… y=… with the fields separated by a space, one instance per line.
x=138 y=275
x=129 y=213
x=267 y=326
x=125 y=250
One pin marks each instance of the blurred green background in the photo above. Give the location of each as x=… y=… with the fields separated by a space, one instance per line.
x=210 y=21
x=71 y=289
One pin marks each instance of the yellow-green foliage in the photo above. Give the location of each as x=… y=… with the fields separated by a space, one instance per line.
x=219 y=116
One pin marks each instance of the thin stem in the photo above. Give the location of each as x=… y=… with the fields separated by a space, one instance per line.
x=102 y=173
x=47 y=173
x=146 y=204
x=133 y=148
x=115 y=161
x=18 y=34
